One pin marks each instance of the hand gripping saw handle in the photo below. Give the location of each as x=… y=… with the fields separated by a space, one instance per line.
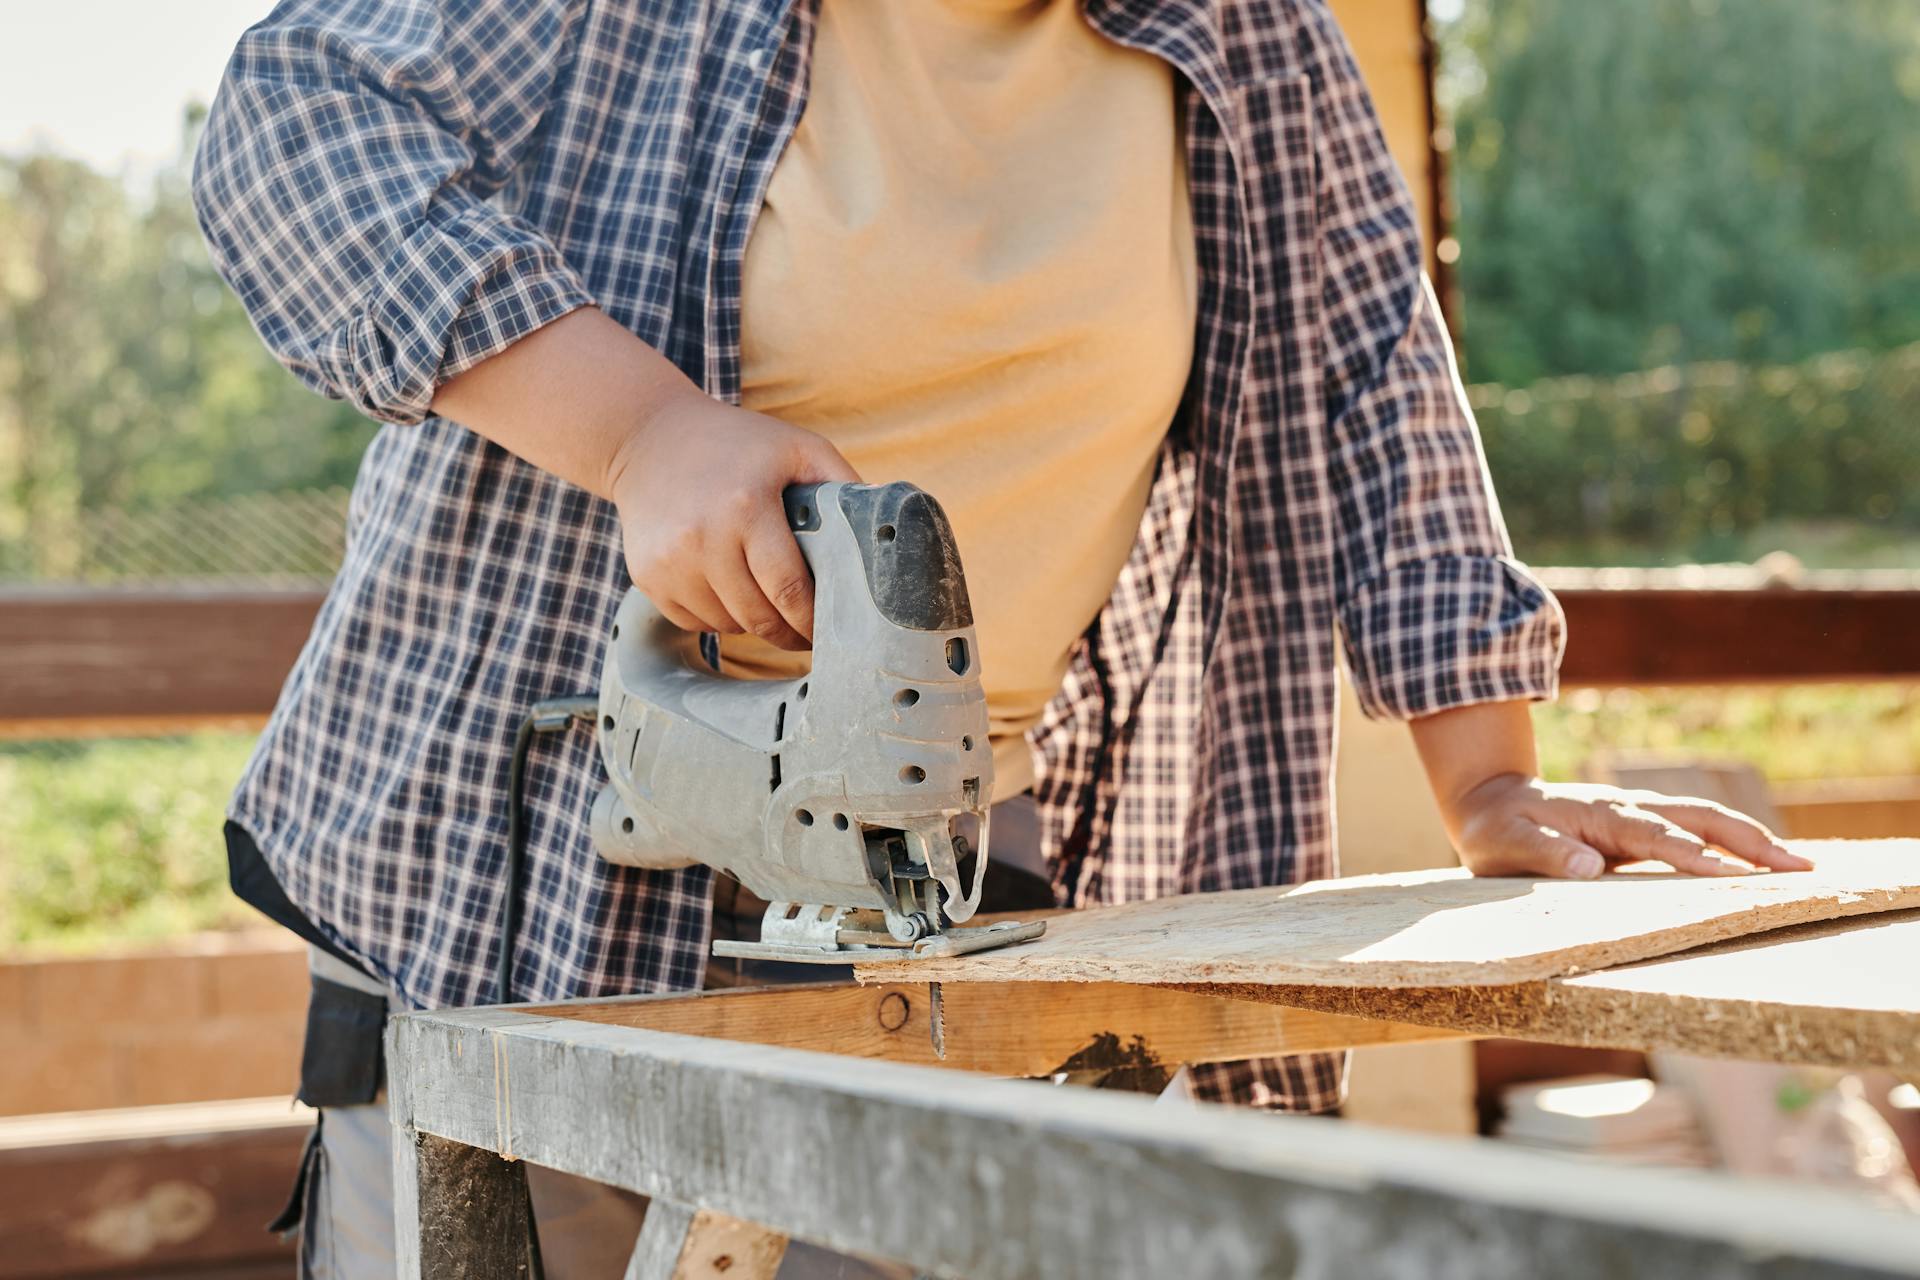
x=841 y=797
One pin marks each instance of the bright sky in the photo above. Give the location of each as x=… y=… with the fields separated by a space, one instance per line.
x=105 y=79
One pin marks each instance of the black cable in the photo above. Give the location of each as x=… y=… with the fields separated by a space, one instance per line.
x=550 y=716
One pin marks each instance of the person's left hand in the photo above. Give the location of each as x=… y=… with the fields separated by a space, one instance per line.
x=1514 y=824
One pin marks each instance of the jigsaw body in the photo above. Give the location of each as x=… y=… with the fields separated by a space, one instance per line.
x=847 y=798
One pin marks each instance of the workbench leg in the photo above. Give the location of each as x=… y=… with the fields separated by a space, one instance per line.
x=459 y=1212
x=678 y=1243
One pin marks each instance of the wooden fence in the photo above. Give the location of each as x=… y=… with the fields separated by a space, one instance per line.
x=91 y=661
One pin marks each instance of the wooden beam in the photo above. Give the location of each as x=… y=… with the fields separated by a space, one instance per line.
x=1021 y=1029
x=460 y=1212
x=1003 y=1179
x=70 y=656
x=150 y=1191
x=93 y=660
x=1849 y=808
x=1842 y=994
x=1646 y=637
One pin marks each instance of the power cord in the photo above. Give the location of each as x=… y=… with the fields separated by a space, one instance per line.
x=551 y=716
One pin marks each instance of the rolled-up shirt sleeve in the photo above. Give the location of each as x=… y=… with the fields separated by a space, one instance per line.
x=1435 y=612
x=343 y=186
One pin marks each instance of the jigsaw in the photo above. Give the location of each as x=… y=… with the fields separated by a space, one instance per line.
x=848 y=798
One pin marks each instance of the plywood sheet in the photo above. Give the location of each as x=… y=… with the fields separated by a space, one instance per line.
x=1844 y=993
x=1435 y=928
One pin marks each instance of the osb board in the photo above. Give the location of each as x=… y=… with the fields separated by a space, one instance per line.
x=1843 y=993
x=1434 y=928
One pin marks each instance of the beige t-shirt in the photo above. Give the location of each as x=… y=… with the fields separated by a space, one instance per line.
x=974 y=270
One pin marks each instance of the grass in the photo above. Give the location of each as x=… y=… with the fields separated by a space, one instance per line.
x=1791 y=733
x=115 y=841
x=1816 y=544
x=107 y=843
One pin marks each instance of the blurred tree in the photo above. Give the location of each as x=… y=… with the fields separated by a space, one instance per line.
x=128 y=373
x=1646 y=182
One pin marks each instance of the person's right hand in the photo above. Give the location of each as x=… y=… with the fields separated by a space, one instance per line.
x=698 y=492
x=696 y=482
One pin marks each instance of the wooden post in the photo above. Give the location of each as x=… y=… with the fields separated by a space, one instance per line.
x=460 y=1212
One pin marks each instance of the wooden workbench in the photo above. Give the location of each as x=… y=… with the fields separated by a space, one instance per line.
x=822 y=1112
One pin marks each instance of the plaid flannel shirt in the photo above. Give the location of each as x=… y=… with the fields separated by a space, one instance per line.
x=399 y=189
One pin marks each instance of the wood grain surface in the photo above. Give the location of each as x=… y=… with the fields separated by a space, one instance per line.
x=1035 y=1029
x=955 y=1174
x=1435 y=928
x=149 y=1192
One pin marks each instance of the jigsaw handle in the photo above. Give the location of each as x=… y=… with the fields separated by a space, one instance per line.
x=795 y=787
x=907 y=549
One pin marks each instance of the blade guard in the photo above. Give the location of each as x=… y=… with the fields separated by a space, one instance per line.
x=844 y=786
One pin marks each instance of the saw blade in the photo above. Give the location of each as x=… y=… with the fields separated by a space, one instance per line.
x=937 y=1021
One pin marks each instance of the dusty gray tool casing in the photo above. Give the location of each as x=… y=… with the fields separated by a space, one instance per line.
x=837 y=795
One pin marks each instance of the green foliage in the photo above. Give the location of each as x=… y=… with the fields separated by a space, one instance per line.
x=115 y=840
x=1801 y=732
x=1652 y=182
x=129 y=375
x=1697 y=463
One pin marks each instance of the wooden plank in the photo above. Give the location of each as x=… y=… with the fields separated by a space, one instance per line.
x=1842 y=994
x=1638 y=637
x=197 y=1019
x=663 y=1232
x=48 y=1130
x=154 y=1191
x=69 y=656
x=52 y=729
x=90 y=660
x=1430 y=928
x=1849 y=808
x=1033 y=1029
x=999 y=1179
x=1427 y=1088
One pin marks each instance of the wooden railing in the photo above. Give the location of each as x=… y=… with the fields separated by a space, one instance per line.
x=87 y=661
